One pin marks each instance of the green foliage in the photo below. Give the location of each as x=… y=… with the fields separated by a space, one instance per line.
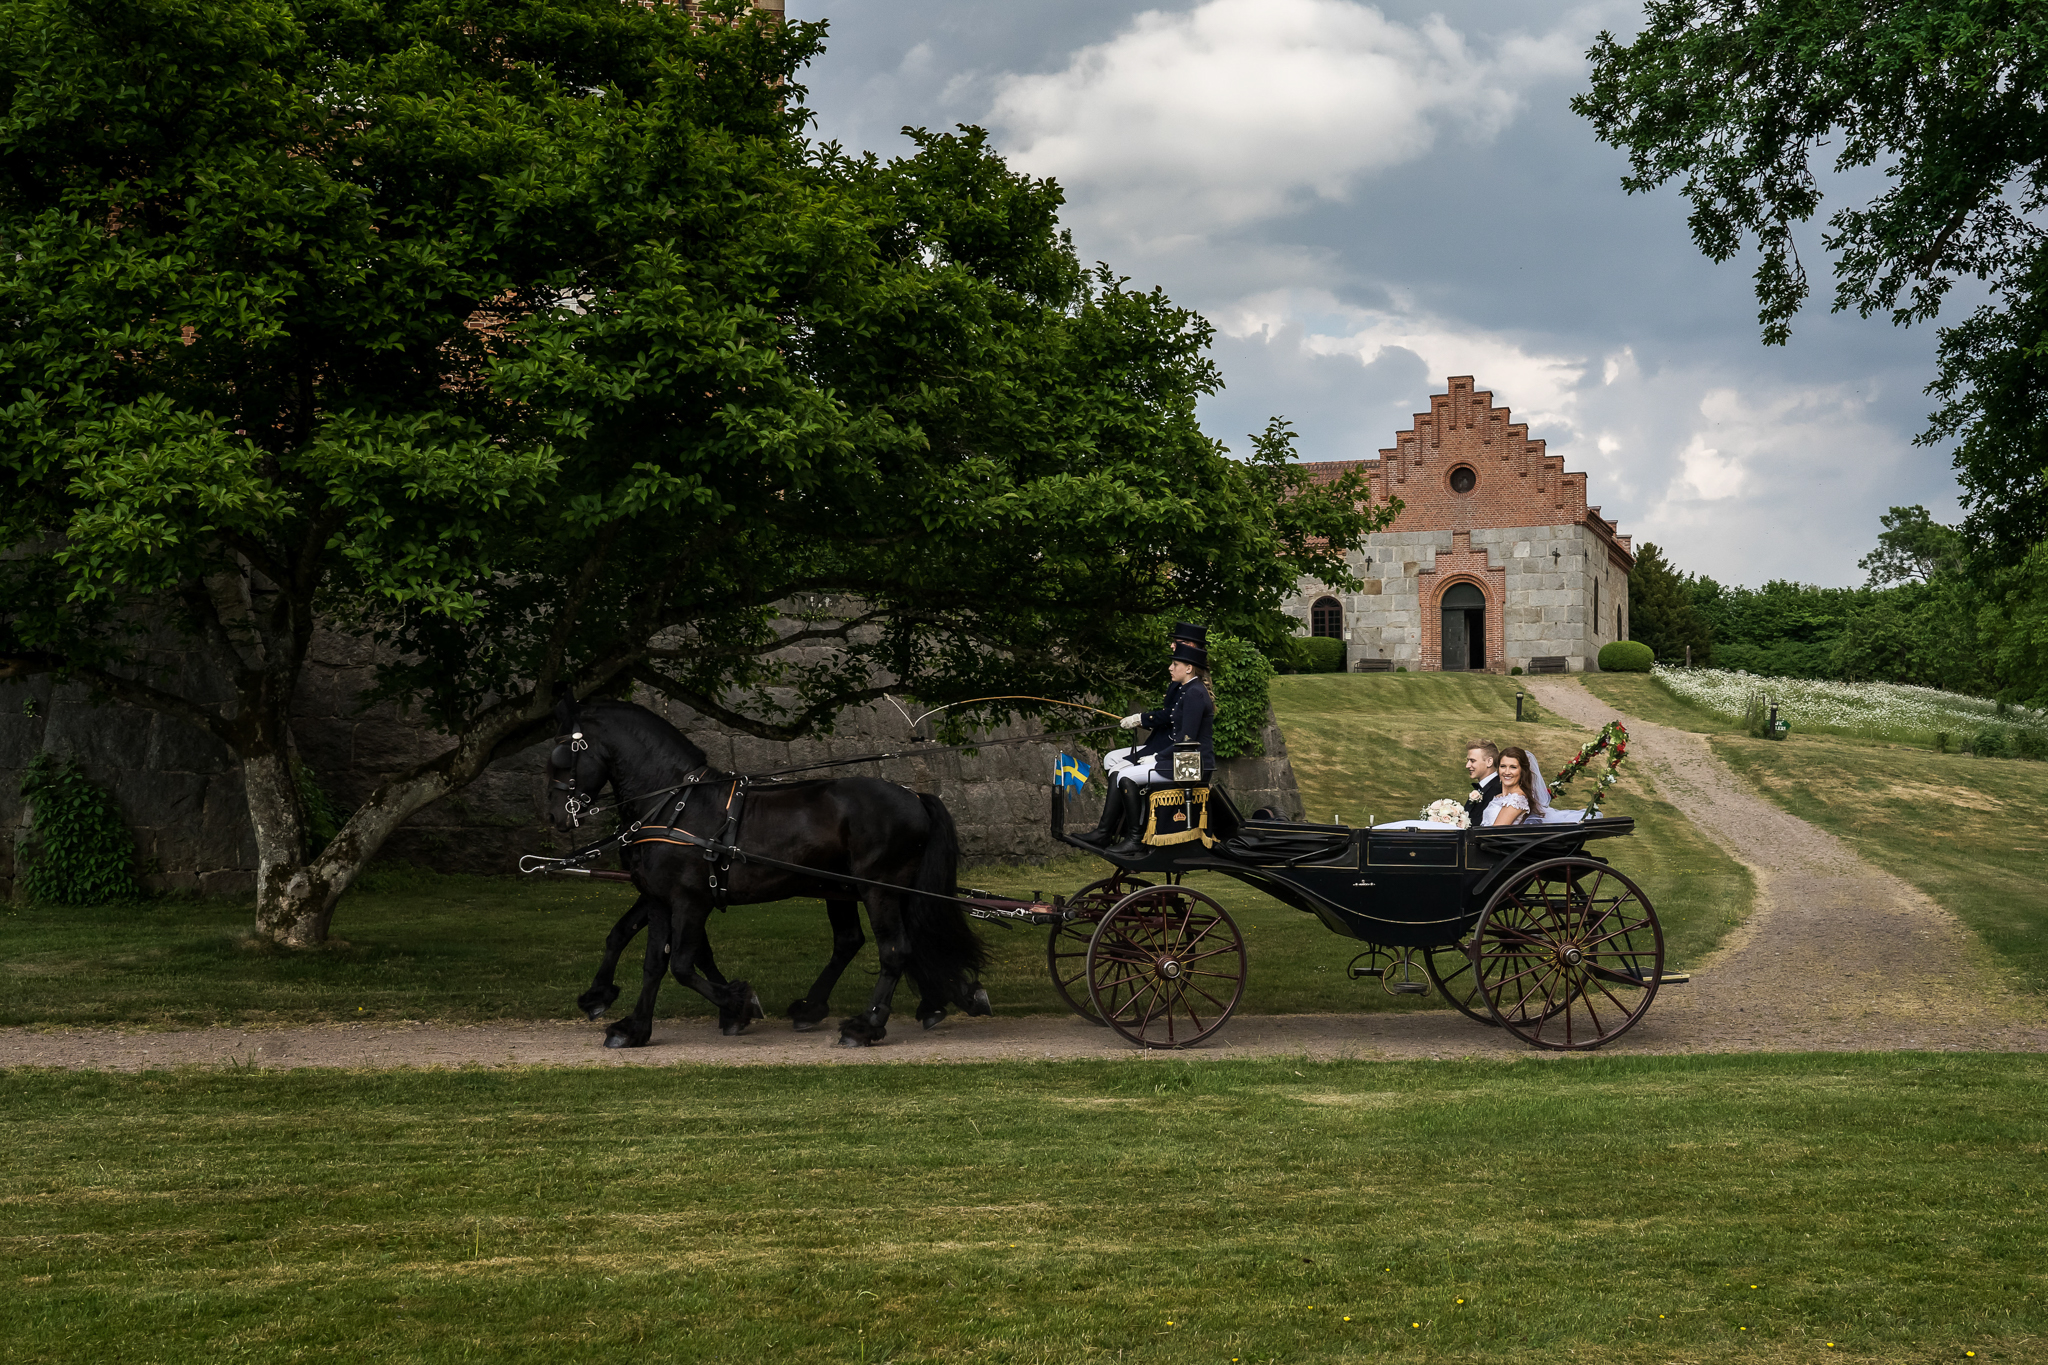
x=323 y=820
x=1661 y=613
x=82 y=853
x=1240 y=674
x=535 y=343
x=1314 y=654
x=1626 y=656
x=1735 y=98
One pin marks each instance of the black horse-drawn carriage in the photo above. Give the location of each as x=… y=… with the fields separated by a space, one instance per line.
x=1517 y=926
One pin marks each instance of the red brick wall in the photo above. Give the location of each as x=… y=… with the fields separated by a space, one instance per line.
x=1515 y=482
x=1464 y=565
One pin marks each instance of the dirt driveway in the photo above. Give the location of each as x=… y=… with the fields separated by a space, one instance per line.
x=1838 y=956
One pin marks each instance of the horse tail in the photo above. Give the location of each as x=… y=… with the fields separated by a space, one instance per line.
x=941 y=936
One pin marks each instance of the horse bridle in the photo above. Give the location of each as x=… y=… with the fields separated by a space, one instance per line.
x=576 y=807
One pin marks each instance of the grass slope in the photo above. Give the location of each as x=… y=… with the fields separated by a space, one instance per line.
x=1967 y=831
x=1857 y=1208
x=1387 y=744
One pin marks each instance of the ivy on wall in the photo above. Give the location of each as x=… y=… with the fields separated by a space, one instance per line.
x=1240 y=673
x=81 y=852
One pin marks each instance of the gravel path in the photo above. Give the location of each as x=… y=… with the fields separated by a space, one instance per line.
x=1837 y=956
x=1837 y=953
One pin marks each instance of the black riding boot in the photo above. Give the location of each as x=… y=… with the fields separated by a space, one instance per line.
x=1106 y=828
x=1136 y=811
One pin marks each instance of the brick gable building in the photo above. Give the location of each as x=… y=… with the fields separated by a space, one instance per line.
x=1494 y=561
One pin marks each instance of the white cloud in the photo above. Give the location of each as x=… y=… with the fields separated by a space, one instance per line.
x=1239 y=110
x=1541 y=388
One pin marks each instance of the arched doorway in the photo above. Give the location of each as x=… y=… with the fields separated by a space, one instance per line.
x=1326 y=618
x=1464 y=633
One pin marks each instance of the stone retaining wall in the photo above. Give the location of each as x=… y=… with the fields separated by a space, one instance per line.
x=181 y=796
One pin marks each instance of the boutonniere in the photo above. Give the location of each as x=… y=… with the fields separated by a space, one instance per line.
x=1476 y=794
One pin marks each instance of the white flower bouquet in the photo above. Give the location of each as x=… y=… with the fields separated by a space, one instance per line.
x=1447 y=812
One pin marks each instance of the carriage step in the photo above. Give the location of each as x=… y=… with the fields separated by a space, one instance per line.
x=1409 y=988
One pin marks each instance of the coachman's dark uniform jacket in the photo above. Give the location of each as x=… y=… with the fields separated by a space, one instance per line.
x=1188 y=713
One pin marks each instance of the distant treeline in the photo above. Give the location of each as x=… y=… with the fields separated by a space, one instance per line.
x=1922 y=617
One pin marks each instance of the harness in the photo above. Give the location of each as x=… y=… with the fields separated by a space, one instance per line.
x=718 y=851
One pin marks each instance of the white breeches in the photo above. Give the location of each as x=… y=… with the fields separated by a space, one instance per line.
x=1142 y=772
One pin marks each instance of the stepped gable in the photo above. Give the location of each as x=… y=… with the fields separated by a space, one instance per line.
x=1467 y=465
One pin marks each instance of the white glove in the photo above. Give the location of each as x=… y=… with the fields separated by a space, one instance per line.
x=1132 y=722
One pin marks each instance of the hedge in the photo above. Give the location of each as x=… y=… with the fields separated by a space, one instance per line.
x=1626 y=656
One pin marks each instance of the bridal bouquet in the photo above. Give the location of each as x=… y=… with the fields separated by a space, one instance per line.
x=1448 y=812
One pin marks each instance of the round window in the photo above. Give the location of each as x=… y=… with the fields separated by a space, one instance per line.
x=1462 y=479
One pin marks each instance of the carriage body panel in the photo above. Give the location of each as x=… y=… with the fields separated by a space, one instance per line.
x=1401 y=888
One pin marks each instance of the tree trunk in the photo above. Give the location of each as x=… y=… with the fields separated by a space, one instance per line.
x=279 y=823
x=295 y=901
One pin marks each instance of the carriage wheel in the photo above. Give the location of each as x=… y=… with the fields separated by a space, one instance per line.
x=1066 y=947
x=1568 y=954
x=1166 y=967
x=1450 y=971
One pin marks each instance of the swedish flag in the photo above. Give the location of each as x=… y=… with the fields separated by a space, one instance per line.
x=1069 y=772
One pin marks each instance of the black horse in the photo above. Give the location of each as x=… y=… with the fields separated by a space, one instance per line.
x=898 y=847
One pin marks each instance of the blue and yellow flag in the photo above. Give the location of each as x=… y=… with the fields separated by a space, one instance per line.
x=1069 y=772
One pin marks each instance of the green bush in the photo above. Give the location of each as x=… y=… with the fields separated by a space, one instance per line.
x=1515 y=672
x=1626 y=656
x=81 y=852
x=1989 y=743
x=1319 y=654
x=1239 y=674
x=2032 y=744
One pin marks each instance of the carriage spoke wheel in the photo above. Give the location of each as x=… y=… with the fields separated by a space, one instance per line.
x=1066 y=946
x=1166 y=967
x=1567 y=954
x=1451 y=972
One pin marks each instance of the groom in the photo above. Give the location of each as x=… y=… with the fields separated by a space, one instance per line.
x=1481 y=756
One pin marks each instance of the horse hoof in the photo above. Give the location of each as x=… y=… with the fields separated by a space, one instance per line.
x=754 y=1010
x=848 y=1040
x=617 y=1040
x=932 y=1021
x=979 y=1003
x=804 y=1025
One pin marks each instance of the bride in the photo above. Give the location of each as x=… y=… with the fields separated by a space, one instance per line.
x=1521 y=792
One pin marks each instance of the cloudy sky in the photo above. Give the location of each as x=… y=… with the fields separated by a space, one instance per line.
x=1367 y=198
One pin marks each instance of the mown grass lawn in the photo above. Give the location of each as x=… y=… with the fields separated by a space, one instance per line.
x=469 y=949
x=1807 y=1208
x=1967 y=831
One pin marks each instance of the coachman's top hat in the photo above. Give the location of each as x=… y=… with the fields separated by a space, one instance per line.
x=1189 y=631
x=1186 y=652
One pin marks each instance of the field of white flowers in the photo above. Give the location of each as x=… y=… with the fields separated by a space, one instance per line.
x=1872 y=710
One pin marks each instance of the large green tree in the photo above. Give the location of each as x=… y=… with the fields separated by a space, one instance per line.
x=532 y=339
x=1739 y=99
x=1660 y=611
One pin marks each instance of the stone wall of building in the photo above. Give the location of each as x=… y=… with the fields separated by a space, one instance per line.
x=1561 y=588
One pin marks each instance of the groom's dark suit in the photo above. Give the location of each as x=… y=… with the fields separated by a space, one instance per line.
x=1488 y=789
